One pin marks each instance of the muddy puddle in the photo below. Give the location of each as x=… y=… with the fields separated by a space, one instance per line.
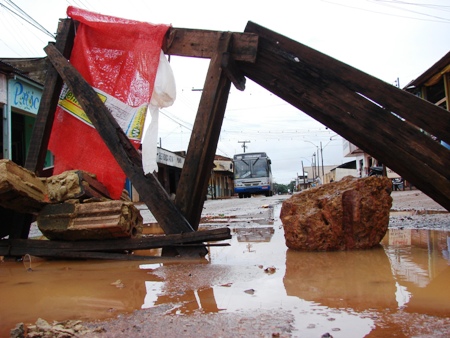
x=399 y=289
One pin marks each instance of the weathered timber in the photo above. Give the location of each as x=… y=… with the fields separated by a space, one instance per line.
x=74 y=184
x=91 y=220
x=309 y=80
x=433 y=119
x=203 y=44
x=232 y=71
x=20 y=189
x=193 y=184
x=49 y=101
x=21 y=247
x=150 y=190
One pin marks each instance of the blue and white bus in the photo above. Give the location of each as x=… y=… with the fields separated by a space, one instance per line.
x=252 y=174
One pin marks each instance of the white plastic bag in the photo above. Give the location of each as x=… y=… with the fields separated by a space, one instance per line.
x=164 y=94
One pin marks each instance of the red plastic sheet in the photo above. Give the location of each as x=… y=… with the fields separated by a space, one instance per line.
x=119 y=57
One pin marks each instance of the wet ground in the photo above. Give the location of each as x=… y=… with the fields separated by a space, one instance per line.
x=255 y=287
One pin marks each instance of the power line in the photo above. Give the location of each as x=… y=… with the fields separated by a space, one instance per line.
x=16 y=10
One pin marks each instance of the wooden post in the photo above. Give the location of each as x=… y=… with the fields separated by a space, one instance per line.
x=193 y=185
x=50 y=96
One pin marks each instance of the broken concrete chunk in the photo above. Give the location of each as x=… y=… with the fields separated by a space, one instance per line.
x=93 y=220
x=349 y=214
x=20 y=189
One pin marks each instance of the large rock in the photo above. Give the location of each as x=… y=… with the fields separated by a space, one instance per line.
x=349 y=214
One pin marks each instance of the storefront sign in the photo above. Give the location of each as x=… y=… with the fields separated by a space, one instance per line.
x=24 y=96
x=169 y=158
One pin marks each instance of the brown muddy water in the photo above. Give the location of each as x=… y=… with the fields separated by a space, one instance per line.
x=400 y=289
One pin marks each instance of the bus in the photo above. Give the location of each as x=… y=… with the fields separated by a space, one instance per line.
x=252 y=175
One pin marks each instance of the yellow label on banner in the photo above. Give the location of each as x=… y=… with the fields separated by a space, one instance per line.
x=130 y=119
x=69 y=103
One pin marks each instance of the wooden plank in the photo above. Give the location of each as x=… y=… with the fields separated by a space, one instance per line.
x=150 y=190
x=203 y=44
x=396 y=143
x=193 y=184
x=49 y=101
x=20 y=247
x=432 y=119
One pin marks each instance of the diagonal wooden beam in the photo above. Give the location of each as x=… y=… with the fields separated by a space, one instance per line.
x=433 y=119
x=193 y=184
x=150 y=190
x=314 y=87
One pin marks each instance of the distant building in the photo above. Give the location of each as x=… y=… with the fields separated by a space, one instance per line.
x=21 y=86
x=221 y=183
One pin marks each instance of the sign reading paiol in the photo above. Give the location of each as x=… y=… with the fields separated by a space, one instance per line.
x=23 y=96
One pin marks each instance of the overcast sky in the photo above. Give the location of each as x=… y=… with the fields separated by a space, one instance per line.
x=389 y=39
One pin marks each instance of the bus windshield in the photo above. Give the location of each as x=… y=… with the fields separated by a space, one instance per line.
x=251 y=168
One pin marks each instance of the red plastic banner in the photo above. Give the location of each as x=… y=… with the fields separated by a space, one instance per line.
x=119 y=57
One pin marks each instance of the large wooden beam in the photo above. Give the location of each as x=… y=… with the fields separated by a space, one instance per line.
x=431 y=118
x=49 y=101
x=150 y=190
x=193 y=185
x=203 y=44
x=291 y=71
x=20 y=247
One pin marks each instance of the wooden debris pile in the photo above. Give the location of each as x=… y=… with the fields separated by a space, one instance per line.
x=72 y=210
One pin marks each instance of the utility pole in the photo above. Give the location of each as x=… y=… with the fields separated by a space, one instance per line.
x=243 y=145
x=321 y=156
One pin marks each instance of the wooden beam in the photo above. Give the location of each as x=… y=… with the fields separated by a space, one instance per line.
x=282 y=68
x=49 y=101
x=193 y=185
x=203 y=44
x=233 y=72
x=150 y=190
x=433 y=119
x=20 y=247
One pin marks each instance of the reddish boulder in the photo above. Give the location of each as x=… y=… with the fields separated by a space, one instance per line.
x=349 y=214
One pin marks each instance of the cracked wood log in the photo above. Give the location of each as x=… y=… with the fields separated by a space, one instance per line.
x=90 y=220
x=20 y=189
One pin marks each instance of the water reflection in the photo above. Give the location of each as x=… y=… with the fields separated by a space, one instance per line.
x=358 y=280
x=419 y=262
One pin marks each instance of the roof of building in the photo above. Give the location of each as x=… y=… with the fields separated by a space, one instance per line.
x=34 y=69
x=433 y=74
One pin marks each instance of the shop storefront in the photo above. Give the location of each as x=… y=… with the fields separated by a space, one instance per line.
x=19 y=103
